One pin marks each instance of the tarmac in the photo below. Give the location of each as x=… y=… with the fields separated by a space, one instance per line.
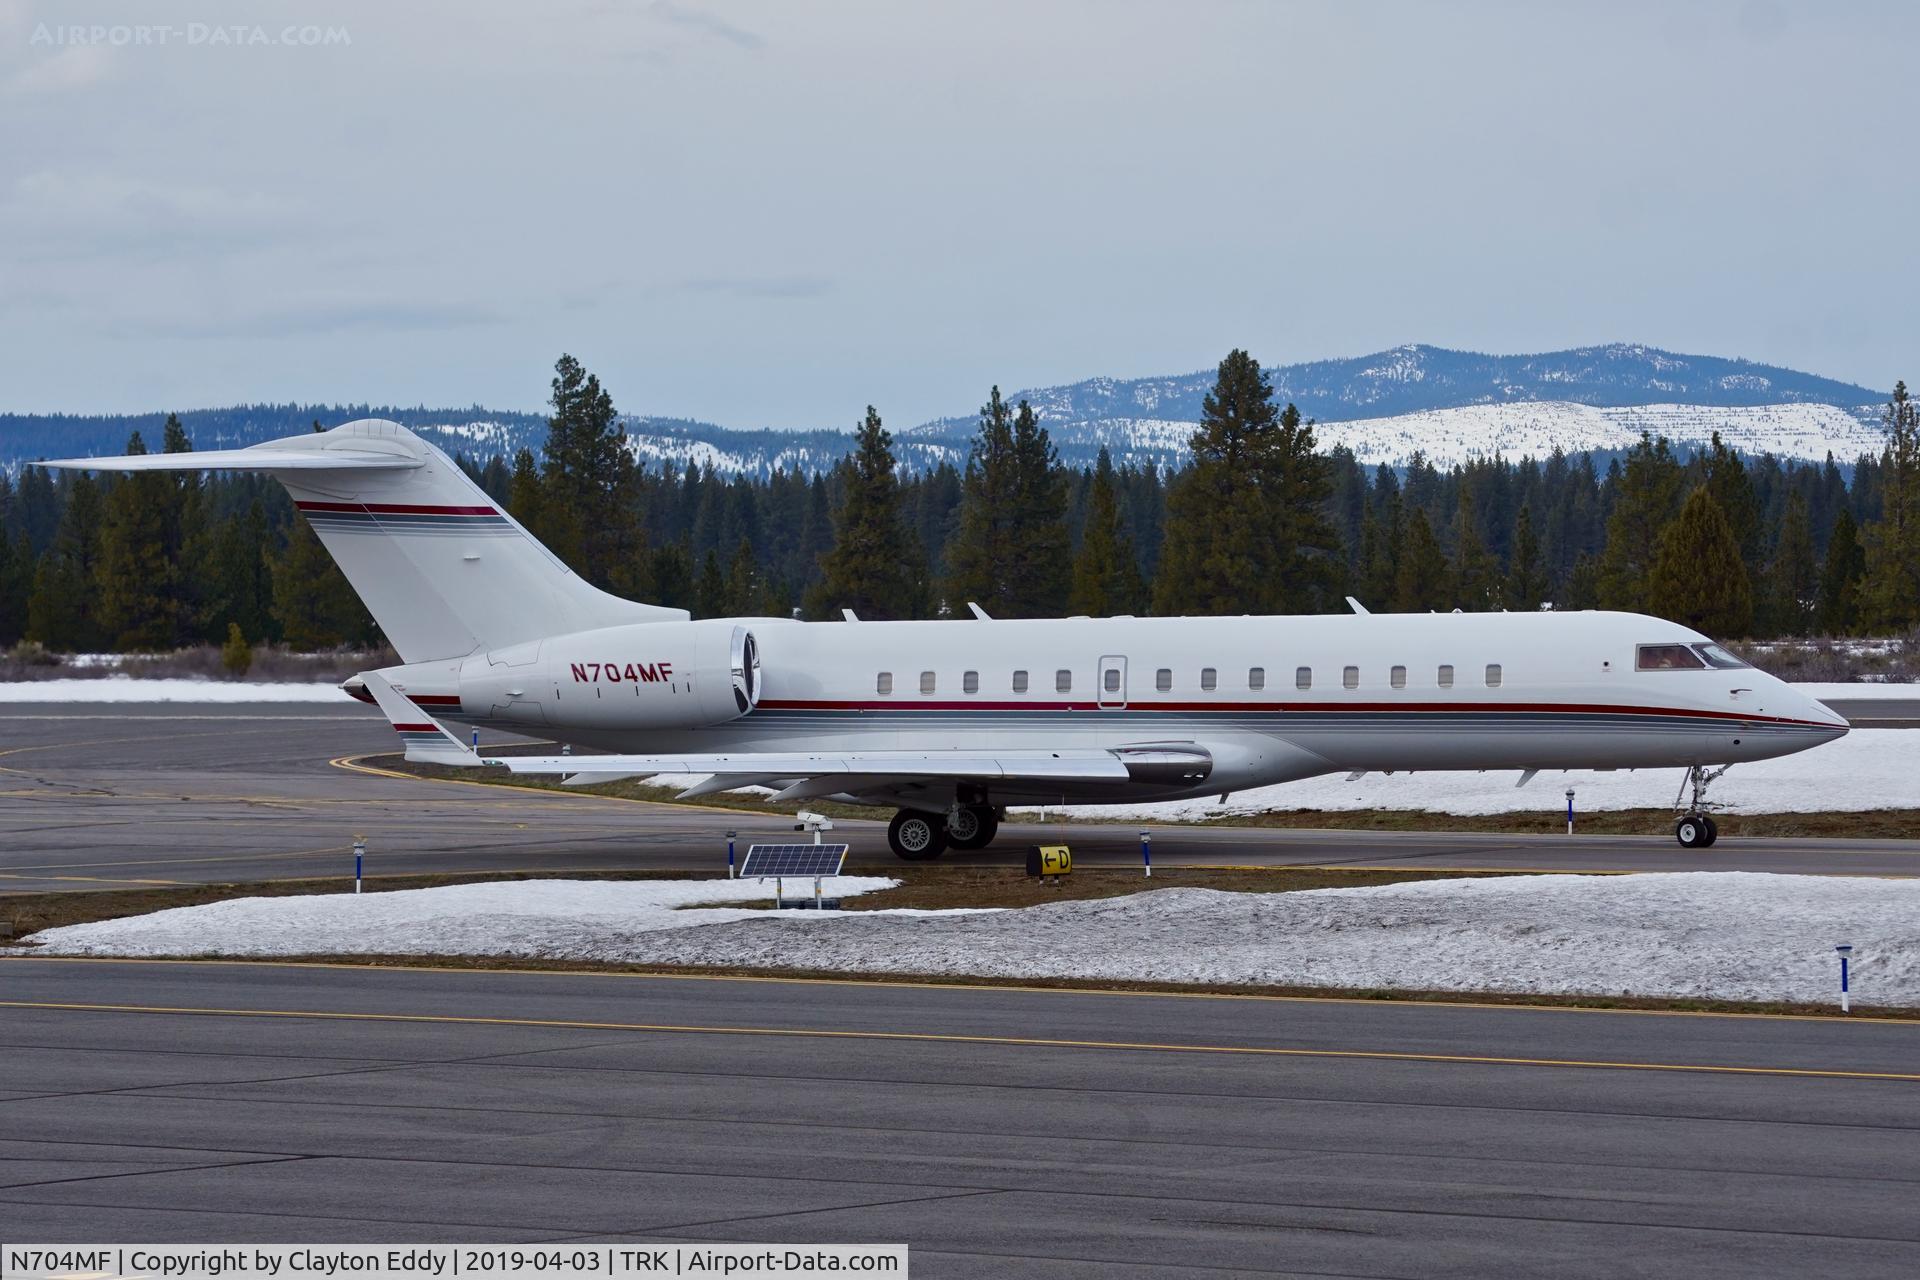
x=996 y=1131
x=108 y=796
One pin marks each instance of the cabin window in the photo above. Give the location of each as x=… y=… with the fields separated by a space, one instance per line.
x=1446 y=675
x=1399 y=677
x=1493 y=675
x=1303 y=677
x=1256 y=678
x=1667 y=657
x=1019 y=682
x=1350 y=677
x=1209 y=678
x=1163 y=679
x=1063 y=681
x=883 y=683
x=926 y=682
x=969 y=682
x=1110 y=679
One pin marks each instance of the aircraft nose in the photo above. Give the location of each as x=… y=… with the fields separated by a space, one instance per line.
x=1835 y=724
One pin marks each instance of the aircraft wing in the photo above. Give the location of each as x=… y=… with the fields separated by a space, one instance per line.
x=811 y=773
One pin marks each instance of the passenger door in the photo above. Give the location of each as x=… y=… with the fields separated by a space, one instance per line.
x=1112 y=682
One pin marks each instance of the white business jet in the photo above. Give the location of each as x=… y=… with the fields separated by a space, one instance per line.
x=951 y=721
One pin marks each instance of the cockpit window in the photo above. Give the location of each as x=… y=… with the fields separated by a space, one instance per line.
x=1668 y=657
x=1719 y=657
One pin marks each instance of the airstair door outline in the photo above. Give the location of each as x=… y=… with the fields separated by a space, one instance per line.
x=1112 y=682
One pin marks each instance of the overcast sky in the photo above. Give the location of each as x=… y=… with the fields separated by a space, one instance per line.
x=770 y=214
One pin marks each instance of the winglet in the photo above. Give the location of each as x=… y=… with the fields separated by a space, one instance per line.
x=427 y=740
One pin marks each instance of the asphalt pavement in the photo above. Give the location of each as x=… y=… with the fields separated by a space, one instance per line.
x=997 y=1132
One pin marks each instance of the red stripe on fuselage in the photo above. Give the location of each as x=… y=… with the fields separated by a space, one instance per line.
x=1281 y=708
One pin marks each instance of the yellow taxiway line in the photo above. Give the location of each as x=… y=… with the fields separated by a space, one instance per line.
x=959 y=984
x=932 y=1037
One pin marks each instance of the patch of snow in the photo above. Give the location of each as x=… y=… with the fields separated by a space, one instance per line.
x=1724 y=935
x=171 y=689
x=559 y=918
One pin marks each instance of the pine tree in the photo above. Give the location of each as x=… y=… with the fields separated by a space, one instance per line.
x=1106 y=577
x=236 y=655
x=746 y=582
x=313 y=603
x=868 y=569
x=1009 y=552
x=1034 y=584
x=134 y=576
x=16 y=581
x=1840 y=575
x=589 y=510
x=238 y=584
x=1421 y=582
x=1698 y=576
x=1793 y=580
x=61 y=610
x=1476 y=577
x=1645 y=498
x=1526 y=585
x=1890 y=596
x=523 y=490
x=983 y=540
x=1246 y=528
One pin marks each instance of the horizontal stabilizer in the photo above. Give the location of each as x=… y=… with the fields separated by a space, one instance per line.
x=428 y=741
x=257 y=458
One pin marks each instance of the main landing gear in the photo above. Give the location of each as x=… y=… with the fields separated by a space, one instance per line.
x=919 y=836
x=1696 y=828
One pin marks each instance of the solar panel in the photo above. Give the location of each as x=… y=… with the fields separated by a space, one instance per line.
x=793 y=860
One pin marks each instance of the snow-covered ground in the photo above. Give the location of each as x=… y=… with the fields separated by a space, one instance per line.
x=1724 y=935
x=1535 y=427
x=168 y=689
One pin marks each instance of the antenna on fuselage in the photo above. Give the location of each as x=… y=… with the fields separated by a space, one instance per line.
x=978 y=612
x=1356 y=605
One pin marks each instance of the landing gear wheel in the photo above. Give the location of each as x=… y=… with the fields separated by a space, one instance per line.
x=917 y=836
x=1692 y=832
x=973 y=827
x=1713 y=828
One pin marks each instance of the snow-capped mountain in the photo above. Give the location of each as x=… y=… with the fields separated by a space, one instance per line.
x=1447 y=405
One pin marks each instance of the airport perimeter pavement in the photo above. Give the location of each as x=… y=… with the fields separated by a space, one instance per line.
x=104 y=796
x=996 y=1131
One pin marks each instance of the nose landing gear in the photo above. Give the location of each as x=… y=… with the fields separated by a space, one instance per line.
x=1696 y=828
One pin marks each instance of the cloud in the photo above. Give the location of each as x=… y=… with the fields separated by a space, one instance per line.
x=74 y=68
x=707 y=23
x=348 y=315
x=760 y=286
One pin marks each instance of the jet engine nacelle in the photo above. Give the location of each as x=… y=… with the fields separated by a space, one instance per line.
x=650 y=675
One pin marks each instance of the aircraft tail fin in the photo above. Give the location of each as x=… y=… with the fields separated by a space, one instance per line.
x=443 y=570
